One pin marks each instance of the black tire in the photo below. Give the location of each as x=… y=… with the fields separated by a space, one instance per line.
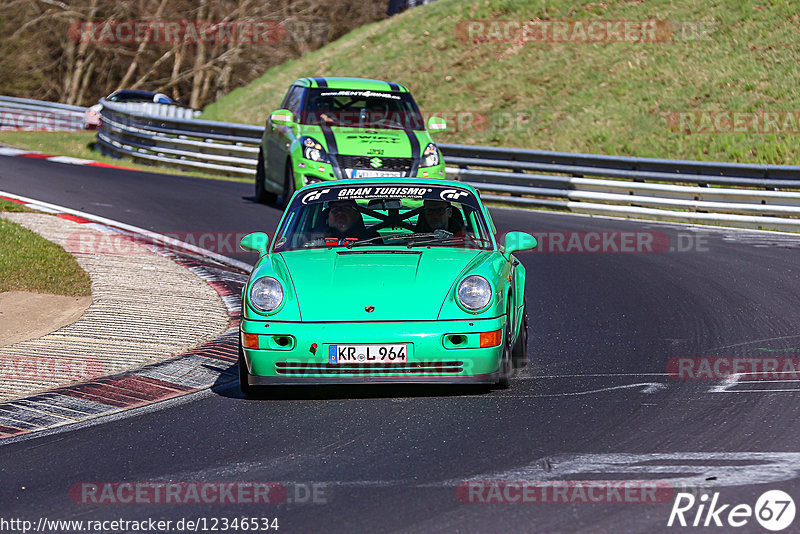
x=506 y=368
x=519 y=354
x=262 y=195
x=288 y=184
x=247 y=389
x=506 y=363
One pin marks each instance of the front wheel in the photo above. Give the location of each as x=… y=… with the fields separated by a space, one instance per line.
x=519 y=354
x=506 y=363
x=262 y=195
x=247 y=389
x=506 y=368
x=288 y=184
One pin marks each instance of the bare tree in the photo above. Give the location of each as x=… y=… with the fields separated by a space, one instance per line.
x=69 y=51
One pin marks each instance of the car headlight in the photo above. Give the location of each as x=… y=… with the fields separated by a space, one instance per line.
x=430 y=157
x=474 y=292
x=266 y=294
x=313 y=150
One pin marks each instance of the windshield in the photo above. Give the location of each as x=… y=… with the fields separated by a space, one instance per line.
x=388 y=215
x=376 y=109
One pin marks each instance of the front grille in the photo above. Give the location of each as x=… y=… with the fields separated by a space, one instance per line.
x=413 y=368
x=362 y=162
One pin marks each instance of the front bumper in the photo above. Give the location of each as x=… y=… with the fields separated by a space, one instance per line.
x=307 y=171
x=285 y=354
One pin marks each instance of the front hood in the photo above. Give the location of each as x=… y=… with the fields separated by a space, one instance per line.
x=387 y=143
x=401 y=284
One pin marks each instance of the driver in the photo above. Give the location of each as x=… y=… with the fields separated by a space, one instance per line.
x=344 y=221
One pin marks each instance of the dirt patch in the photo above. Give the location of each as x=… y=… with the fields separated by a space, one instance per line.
x=26 y=315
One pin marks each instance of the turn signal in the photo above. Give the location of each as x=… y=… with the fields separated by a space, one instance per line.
x=250 y=341
x=491 y=339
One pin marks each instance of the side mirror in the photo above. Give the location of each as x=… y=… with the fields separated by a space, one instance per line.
x=255 y=242
x=437 y=123
x=282 y=117
x=518 y=241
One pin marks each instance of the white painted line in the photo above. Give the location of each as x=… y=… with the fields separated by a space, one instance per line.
x=694 y=469
x=157 y=238
x=594 y=375
x=645 y=221
x=647 y=387
x=71 y=160
x=9 y=151
x=796 y=390
x=46 y=210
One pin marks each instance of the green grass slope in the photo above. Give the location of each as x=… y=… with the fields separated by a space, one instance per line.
x=601 y=97
x=29 y=262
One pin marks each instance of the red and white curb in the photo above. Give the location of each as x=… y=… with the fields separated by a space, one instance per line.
x=211 y=363
x=11 y=151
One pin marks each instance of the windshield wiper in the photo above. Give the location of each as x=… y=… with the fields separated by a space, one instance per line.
x=416 y=238
x=429 y=237
x=482 y=243
x=447 y=238
x=351 y=244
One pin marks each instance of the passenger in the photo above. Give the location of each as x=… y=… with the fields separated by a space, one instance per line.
x=440 y=215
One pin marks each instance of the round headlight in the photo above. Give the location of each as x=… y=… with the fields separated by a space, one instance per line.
x=266 y=294
x=474 y=292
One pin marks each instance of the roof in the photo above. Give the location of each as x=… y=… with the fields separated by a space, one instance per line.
x=361 y=84
x=394 y=181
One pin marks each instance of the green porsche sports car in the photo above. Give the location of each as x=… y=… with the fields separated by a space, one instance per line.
x=336 y=128
x=383 y=280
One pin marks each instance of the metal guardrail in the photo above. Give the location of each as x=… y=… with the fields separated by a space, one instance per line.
x=160 y=110
x=25 y=114
x=213 y=147
x=731 y=194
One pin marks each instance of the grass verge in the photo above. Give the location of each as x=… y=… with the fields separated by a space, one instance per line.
x=29 y=262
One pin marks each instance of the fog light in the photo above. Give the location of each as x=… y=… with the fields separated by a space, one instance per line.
x=491 y=339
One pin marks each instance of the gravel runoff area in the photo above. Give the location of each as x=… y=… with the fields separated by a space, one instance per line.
x=145 y=308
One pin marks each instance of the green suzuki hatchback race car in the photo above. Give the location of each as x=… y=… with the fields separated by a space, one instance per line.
x=336 y=128
x=383 y=280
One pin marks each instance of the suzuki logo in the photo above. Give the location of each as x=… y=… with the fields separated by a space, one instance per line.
x=369 y=309
x=376 y=163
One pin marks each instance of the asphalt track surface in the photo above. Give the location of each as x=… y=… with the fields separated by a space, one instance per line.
x=594 y=403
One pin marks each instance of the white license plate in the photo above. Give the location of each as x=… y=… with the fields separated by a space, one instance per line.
x=365 y=173
x=368 y=353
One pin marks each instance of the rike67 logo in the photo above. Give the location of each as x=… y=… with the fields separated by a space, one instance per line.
x=774 y=510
